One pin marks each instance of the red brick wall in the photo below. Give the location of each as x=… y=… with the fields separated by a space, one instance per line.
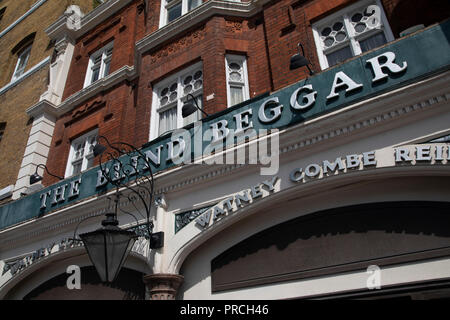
x=111 y=111
x=268 y=40
x=287 y=23
x=209 y=43
x=124 y=28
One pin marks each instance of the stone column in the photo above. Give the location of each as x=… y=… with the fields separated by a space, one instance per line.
x=45 y=112
x=159 y=225
x=163 y=286
x=38 y=146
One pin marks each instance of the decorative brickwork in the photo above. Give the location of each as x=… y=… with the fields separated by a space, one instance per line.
x=267 y=39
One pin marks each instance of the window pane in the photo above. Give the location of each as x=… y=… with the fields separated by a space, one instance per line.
x=107 y=64
x=174 y=12
x=192 y=83
x=95 y=74
x=167 y=120
x=99 y=65
x=90 y=162
x=91 y=142
x=339 y=56
x=76 y=167
x=78 y=151
x=192 y=4
x=22 y=62
x=236 y=95
x=372 y=42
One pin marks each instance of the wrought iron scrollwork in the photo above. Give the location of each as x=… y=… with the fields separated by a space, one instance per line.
x=126 y=167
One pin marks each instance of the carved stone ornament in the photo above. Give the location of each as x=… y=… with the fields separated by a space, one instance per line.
x=182 y=43
x=233 y=27
x=163 y=286
x=87 y=108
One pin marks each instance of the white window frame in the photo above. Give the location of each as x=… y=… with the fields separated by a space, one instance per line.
x=167 y=4
x=85 y=157
x=241 y=60
x=104 y=59
x=157 y=109
x=353 y=41
x=23 y=55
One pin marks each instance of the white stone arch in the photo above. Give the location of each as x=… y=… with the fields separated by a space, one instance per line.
x=50 y=266
x=429 y=189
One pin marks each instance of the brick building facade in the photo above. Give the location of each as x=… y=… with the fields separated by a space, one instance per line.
x=267 y=35
x=135 y=64
x=23 y=37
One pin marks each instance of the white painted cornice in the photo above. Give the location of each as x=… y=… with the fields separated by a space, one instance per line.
x=365 y=118
x=64 y=25
x=124 y=73
x=42 y=107
x=199 y=14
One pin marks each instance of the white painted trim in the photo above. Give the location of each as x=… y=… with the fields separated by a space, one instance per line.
x=88 y=22
x=124 y=73
x=392 y=275
x=242 y=60
x=354 y=45
x=23 y=55
x=84 y=159
x=15 y=23
x=164 y=5
x=15 y=82
x=199 y=14
x=42 y=107
x=154 y=125
x=6 y=192
x=99 y=53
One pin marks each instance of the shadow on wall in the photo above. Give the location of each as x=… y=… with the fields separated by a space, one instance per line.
x=407 y=14
x=336 y=240
x=127 y=286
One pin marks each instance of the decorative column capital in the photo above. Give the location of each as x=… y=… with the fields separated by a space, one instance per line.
x=62 y=43
x=160 y=201
x=162 y=286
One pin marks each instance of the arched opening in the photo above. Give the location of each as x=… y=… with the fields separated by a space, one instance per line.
x=127 y=286
x=335 y=241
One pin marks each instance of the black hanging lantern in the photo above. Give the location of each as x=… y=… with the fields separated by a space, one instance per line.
x=108 y=247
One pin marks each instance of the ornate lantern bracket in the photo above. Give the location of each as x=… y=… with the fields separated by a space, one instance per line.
x=129 y=171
